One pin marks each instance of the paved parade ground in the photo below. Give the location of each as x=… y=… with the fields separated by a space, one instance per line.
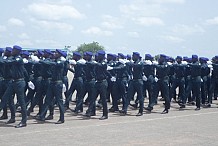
x=180 y=127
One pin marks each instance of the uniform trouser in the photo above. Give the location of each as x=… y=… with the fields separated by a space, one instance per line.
x=17 y=87
x=41 y=91
x=163 y=86
x=213 y=88
x=171 y=80
x=7 y=99
x=65 y=81
x=135 y=86
x=195 y=86
x=54 y=93
x=76 y=85
x=178 y=82
x=119 y=91
x=149 y=86
x=88 y=87
x=109 y=88
x=204 y=90
x=31 y=92
x=100 y=89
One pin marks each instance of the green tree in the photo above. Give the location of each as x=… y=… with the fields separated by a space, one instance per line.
x=91 y=47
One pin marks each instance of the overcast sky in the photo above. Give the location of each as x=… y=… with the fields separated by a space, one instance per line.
x=173 y=27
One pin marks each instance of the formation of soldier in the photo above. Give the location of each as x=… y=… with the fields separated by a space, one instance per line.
x=41 y=79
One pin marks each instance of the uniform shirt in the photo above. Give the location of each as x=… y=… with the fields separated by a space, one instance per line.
x=57 y=68
x=137 y=69
x=17 y=70
x=195 y=69
x=89 y=70
x=205 y=70
x=45 y=68
x=78 y=70
x=148 y=70
x=37 y=70
x=1 y=66
x=112 y=64
x=121 y=70
x=162 y=70
x=215 y=70
x=66 y=66
x=101 y=72
x=179 y=70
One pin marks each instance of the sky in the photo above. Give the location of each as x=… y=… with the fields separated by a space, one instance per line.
x=171 y=27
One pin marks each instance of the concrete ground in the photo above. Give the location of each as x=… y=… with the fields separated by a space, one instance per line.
x=180 y=127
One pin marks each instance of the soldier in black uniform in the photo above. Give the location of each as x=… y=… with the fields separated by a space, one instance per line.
x=18 y=84
x=120 y=86
x=162 y=71
x=56 y=86
x=195 y=83
x=6 y=83
x=179 y=79
x=136 y=84
x=77 y=84
x=214 y=81
x=101 y=85
x=205 y=71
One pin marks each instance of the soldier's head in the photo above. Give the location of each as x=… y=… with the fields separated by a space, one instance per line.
x=77 y=56
x=101 y=55
x=25 y=54
x=59 y=53
x=1 y=51
x=121 y=56
x=39 y=53
x=148 y=57
x=109 y=57
x=194 y=58
x=16 y=50
x=8 y=51
x=47 y=53
x=179 y=59
x=162 y=58
x=88 y=56
x=128 y=57
x=216 y=59
x=136 y=56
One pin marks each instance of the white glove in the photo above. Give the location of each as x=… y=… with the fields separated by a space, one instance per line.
x=155 y=79
x=25 y=61
x=109 y=68
x=62 y=58
x=5 y=57
x=122 y=61
x=73 y=62
x=31 y=85
x=144 y=78
x=94 y=62
x=113 y=79
x=184 y=62
x=209 y=62
x=155 y=62
x=64 y=89
x=81 y=61
x=35 y=58
x=202 y=80
x=169 y=63
x=148 y=62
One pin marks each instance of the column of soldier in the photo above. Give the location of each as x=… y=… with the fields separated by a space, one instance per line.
x=41 y=79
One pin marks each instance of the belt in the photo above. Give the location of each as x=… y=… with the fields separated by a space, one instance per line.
x=19 y=79
x=77 y=78
x=136 y=79
x=101 y=80
x=90 y=80
x=46 y=78
x=58 y=81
